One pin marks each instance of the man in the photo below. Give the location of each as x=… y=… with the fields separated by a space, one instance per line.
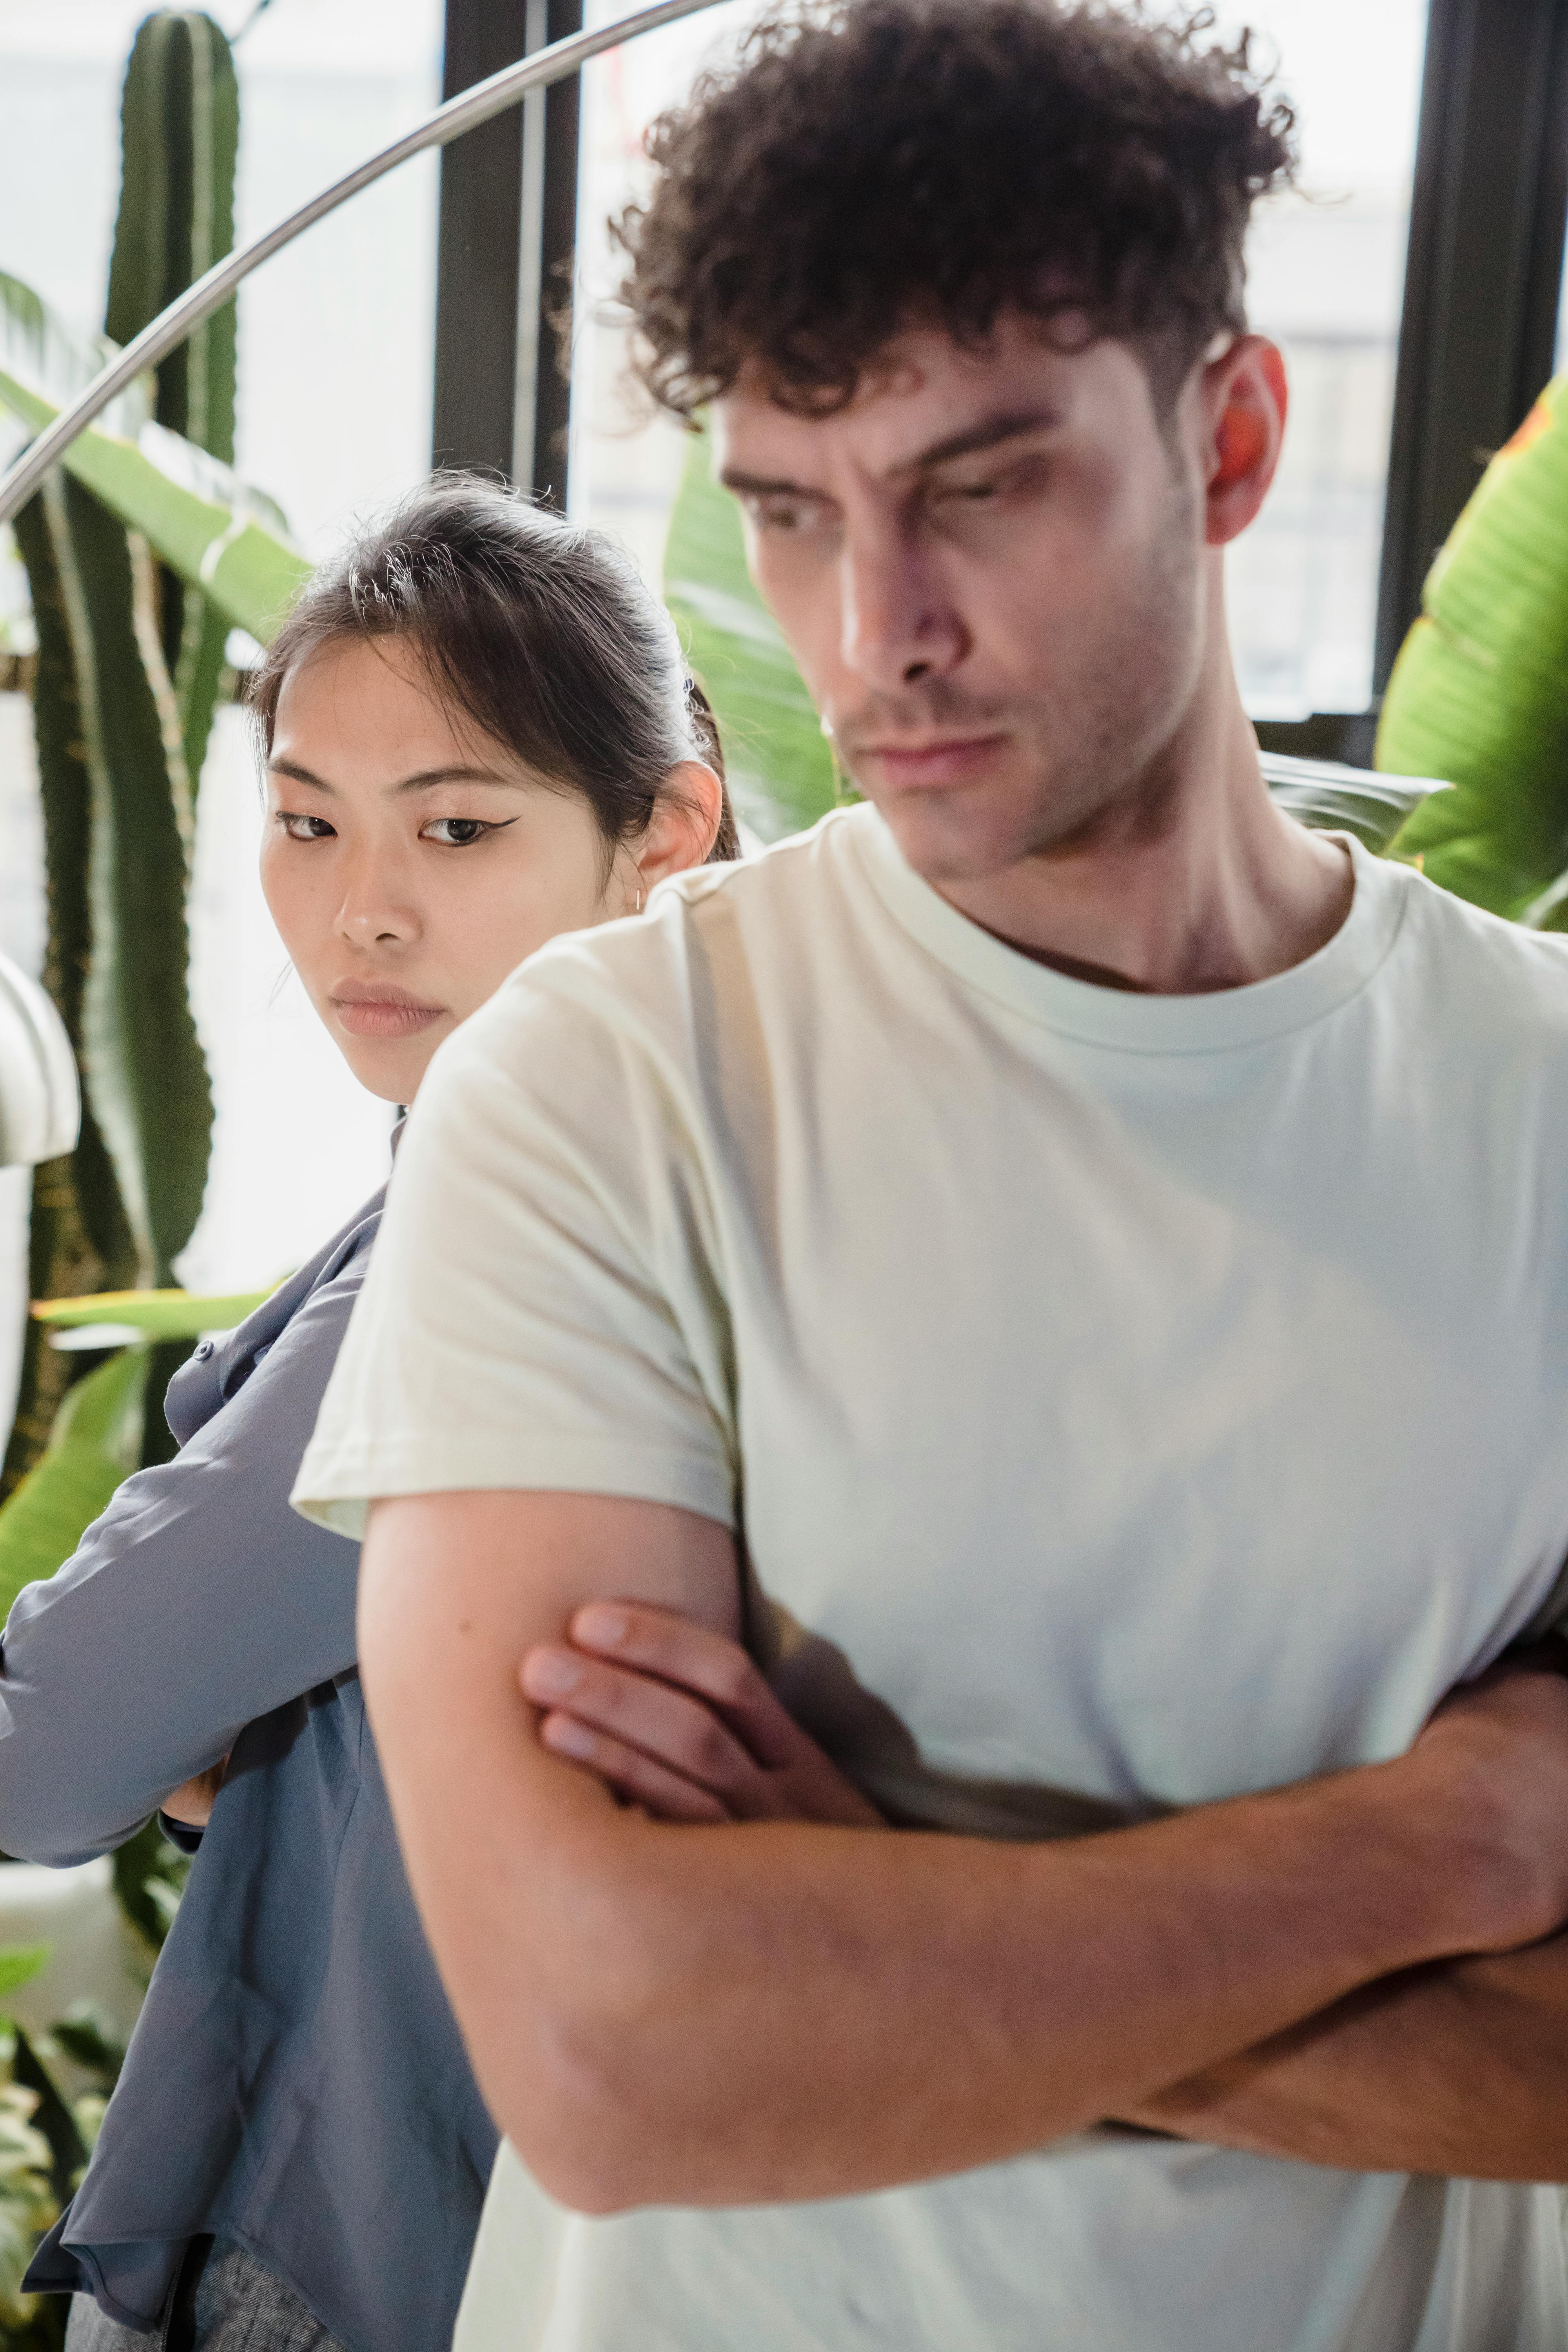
x=1073 y=1266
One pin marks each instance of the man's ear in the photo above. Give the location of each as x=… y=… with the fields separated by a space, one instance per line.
x=684 y=824
x=1245 y=399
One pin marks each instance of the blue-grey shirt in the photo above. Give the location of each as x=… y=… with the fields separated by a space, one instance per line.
x=296 y=2081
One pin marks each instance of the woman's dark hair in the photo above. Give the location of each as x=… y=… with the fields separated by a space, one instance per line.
x=540 y=633
x=867 y=165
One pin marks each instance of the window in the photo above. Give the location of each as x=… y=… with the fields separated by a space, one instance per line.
x=1326 y=280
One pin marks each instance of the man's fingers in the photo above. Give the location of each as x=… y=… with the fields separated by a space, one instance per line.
x=681 y=1733
x=658 y=1642
x=646 y=1784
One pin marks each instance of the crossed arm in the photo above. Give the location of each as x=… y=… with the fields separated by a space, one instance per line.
x=664 y=2011
x=1459 y=2068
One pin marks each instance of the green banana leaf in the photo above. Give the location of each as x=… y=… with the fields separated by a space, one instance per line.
x=193 y=511
x=1480 y=692
x=161 y=1314
x=780 y=769
x=179 y=138
x=96 y=1443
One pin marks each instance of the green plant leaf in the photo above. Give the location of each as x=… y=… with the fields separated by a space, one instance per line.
x=89 y=2041
x=781 y=774
x=1480 y=692
x=150 y=1874
x=20 y=1963
x=1332 y=798
x=52 y=2116
x=94 y=1444
x=192 y=510
x=161 y=1314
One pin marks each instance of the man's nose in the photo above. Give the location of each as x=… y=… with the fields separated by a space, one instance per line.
x=899 y=622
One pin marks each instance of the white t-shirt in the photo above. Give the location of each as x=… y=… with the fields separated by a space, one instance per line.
x=1140 y=1399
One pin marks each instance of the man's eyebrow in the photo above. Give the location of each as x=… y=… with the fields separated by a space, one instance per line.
x=423 y=781
x=991 y=433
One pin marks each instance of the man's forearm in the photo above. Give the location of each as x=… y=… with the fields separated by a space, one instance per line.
x=1460 y=2069
x=712 y=2016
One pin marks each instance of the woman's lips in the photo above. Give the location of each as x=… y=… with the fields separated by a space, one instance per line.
x=392 y=1015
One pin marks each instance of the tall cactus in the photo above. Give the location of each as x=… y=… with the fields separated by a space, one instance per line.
x=128 y=671
x=179 y=140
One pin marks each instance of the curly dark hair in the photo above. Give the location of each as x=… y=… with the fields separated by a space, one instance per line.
x=868 y=164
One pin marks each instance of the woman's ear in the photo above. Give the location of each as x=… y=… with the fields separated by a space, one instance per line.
x=683 y=827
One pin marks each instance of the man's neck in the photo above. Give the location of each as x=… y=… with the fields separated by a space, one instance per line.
x=1199 y=883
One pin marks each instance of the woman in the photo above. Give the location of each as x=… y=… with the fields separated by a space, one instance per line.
x=478 y=733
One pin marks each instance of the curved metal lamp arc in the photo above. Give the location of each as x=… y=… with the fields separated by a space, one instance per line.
x=182 y=318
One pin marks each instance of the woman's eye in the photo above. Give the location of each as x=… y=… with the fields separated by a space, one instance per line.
x=301 y=827
x=456 y=832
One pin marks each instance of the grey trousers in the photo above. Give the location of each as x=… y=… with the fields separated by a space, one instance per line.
x=225 y=2301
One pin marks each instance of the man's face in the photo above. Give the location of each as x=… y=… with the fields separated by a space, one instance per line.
x=991 y=569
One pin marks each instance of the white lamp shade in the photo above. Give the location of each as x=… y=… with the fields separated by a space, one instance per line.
x=40 y=1107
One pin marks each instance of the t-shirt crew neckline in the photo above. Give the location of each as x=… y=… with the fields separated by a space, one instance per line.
x=1123 y=1020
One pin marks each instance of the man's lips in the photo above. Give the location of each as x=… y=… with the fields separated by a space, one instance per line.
x=931 y=760
x=383 y=1011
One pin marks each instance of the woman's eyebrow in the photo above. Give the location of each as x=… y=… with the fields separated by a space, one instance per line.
x=427 y=777
x=424 y=781
x=299 y=775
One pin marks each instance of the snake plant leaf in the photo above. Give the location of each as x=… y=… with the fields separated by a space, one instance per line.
x=160 y=1314
x=782 y=771
x=193 y=512
x=94 y=1444
x=1480 y=692
x=1332 y=798
x=179 y=138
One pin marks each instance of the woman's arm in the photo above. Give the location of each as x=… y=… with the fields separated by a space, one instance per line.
x=197 y=1602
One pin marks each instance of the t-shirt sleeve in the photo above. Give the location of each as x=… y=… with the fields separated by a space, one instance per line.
x=542 y=1309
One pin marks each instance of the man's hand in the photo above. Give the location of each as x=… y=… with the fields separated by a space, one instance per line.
x=1444 y=2070
x=665 y=2014
x=676 y=1719
x=1492 y=1765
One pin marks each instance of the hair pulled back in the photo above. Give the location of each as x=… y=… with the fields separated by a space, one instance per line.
x=540 y=632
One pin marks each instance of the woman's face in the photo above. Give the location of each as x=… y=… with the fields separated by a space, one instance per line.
x=411 y=861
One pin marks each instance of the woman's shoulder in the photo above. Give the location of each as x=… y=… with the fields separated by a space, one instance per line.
x=221 y=1365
